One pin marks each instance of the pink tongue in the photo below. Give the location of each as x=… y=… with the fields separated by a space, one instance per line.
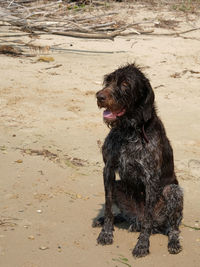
x=109 y=115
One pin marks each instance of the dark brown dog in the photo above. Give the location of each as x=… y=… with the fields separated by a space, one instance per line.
x=148 y=194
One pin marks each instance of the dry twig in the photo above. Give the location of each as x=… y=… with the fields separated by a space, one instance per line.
x=56 y=18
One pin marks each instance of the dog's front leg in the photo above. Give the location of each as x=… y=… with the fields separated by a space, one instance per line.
x=106 y=234
x=142 y=247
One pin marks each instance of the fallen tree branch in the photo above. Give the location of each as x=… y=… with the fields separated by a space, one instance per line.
x=98 y=16
x=109 y=36
x=91 y=27
x=172 y=34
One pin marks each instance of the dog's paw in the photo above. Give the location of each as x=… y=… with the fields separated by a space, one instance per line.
x=134 y=227
x=98 y=222
x=141 y=249
x=174 y=246
x=105 y=238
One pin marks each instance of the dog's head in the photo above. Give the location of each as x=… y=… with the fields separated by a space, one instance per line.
x=127 y=93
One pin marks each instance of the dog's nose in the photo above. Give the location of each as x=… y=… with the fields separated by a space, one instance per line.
x=101 y=97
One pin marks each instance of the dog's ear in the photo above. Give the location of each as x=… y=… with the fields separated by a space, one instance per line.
x=148 y=102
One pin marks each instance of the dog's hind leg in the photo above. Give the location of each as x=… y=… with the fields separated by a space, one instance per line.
x=118 y=218
x=173 y=196
x=131 y=210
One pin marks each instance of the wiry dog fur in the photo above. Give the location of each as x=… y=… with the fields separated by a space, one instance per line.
x=147 y=194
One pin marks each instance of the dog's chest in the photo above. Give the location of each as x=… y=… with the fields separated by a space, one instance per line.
x=131 y=159
x=123 y=150
x=128 y=155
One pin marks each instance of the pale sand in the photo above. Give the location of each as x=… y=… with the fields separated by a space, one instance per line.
x=47 y=204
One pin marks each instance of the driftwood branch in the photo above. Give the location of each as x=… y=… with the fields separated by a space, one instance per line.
x=109 y=36
x=171 y=33
x=51 y=18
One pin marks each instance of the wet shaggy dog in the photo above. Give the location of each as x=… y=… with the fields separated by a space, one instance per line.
x=137 y=148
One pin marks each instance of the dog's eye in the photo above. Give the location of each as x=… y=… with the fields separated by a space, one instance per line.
x=124 y=85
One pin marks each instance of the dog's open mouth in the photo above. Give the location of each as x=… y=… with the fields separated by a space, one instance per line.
x=111 y=116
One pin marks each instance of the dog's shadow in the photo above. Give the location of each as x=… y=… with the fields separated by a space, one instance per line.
x=121 y=225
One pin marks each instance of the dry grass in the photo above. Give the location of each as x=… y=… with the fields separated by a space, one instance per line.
x=187 y=6
x=178 y=5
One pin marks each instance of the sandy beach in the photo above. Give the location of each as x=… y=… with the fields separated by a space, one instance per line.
x=50 y=145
